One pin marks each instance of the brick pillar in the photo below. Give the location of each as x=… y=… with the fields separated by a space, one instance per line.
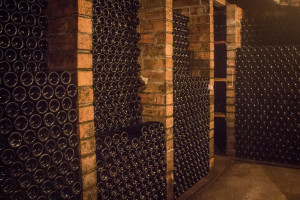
x=201 y=46
x=156 y=44
x=70 y=44
x=85 y=99
x=234 y=16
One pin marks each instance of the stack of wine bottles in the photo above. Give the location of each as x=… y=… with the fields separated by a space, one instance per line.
x=191 y=116
x=115 y=68
x=270 y=31
x=38 y=140
x=267 y=91
x=267 y=103
x=131 y=163
x=130 y=155
x=22 y=41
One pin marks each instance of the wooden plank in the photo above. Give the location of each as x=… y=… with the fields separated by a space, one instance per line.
x=222 y=115
x=219 y=3
x=220 y=42
x=220 y=79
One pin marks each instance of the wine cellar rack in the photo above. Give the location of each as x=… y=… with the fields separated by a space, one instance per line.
x=38 y=117
x=191 y=155
x=267 y=97
x=130 y=154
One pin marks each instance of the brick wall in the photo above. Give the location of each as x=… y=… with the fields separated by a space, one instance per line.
x=70 y=44
x=234 y=16
x=156 y=62
x=202 y=48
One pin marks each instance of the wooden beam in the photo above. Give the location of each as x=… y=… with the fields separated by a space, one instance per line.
x=220 y=79
x=220 y=42
x=219 y=3
x=220 y=115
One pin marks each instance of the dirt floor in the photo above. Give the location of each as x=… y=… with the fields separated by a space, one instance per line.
x=237 y=180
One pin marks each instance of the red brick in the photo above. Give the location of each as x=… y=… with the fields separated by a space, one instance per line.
x=90 y=193
x=169 y=144
x=169 y=75
x=169 y=50
x=85 y=25
x=203 y=55
x=154 y=87
x=148 y=98
x=230 y=123
x=87 y=146
x=230 y=100
x=159 y=26
x=85 y=94
x=211 y=125
x=169 y=133
x=86 y=130
x=154 y=110
x=146 y=39
x=169 y=99
x=153 y=14
x=160 y=99
x=154 y=75
x=88 y=163
x=85 y=78
x=163 y=38
x=230 y=116
x=89 y=180
x=169 y=13
x=85 y=7
x=231 y=63
x=84 y=60
x=211 y=133
x=169 y=63
x=169 y=122
x=169 y=26
x=230 y=93
x=211 y=146
x=170 y=165
x=84 y=41
x=86 y=113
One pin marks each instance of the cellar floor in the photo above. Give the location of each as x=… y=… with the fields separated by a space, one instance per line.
x=237 y=180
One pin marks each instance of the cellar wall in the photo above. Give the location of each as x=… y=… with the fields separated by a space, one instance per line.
x=201 y=48
x=70 y=43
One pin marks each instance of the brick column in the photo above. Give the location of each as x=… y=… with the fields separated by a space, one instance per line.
x=234 y=16
x=85 y=99
x=70 y=45
x=156 y=62
x=202 y=48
